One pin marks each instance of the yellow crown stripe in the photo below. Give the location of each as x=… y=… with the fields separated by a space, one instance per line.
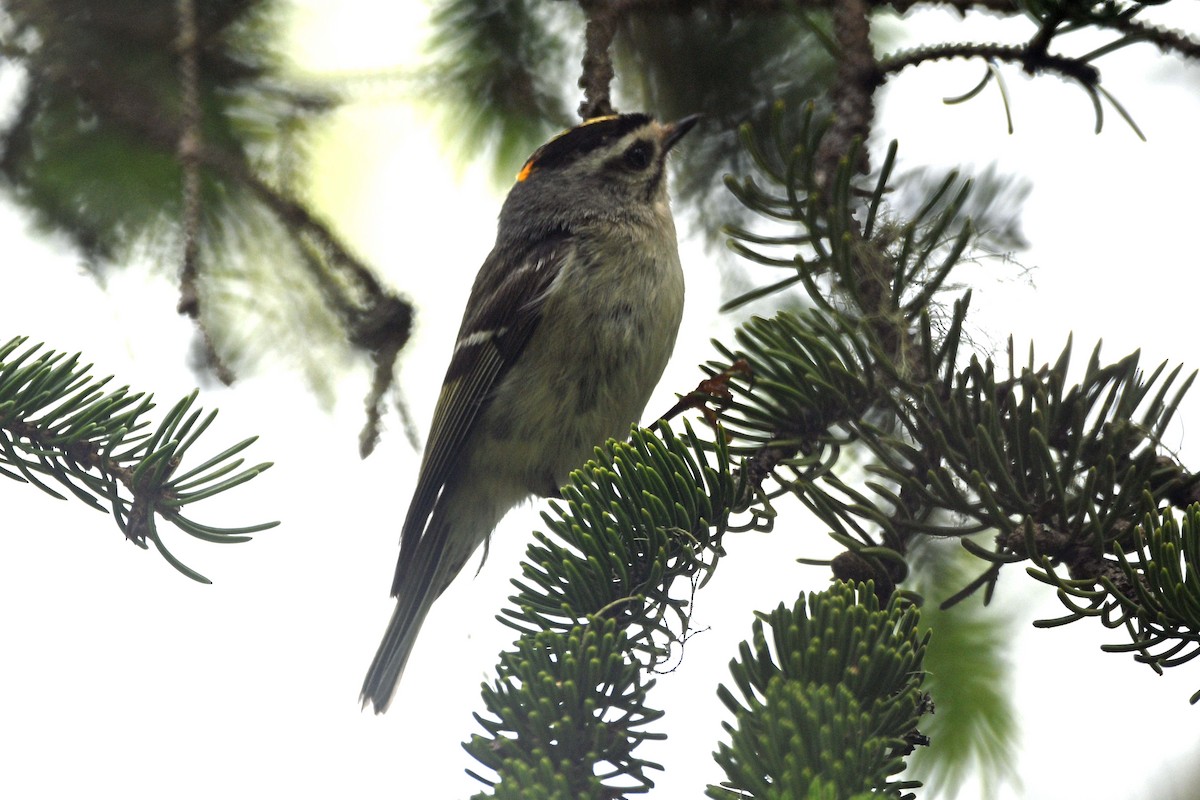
x=531 y=164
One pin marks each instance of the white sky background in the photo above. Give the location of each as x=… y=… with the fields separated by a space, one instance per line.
x=121 y=676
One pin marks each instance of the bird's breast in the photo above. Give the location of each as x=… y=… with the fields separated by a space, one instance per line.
x=606 y=333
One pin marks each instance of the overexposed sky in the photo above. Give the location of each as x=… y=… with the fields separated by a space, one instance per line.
x=122 y=676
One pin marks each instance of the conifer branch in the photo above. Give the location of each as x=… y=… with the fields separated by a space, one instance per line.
x=838 y=664
x=1061 y=474
x=603 y=595
x=58 y=426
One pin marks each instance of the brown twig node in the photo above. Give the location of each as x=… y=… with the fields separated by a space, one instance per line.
x=713 y=390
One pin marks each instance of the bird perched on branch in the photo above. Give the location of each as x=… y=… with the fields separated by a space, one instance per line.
x=569 y=325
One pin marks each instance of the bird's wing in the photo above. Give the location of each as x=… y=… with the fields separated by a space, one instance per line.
x=502 y=313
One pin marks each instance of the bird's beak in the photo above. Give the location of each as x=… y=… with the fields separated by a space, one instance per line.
x=676 y=130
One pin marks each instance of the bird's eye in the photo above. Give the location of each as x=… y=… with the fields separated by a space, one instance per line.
x=638 y=156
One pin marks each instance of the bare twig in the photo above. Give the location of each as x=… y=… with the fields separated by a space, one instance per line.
x=961 y=6
x=190 y=141
x=189 y=145
x=1165 y=40
x=596 y=78
x=1082 y=72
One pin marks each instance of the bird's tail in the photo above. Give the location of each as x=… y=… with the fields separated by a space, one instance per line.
x=428 y=562
x=388 y=664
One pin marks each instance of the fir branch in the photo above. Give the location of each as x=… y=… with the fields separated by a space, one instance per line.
x=829 y=700
x=1057 y=471
x=1162 y=612
x=564 y=706
x=56 y=422
x=884 y=273
x=638 y=518
x=599 y=602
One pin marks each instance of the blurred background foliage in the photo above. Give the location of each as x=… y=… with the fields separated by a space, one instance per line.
x=92 y=145
x=975 y=728
x=505 y=72
x=108 y=122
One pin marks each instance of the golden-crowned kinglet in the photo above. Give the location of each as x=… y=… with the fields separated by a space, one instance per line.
x=569 y=325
